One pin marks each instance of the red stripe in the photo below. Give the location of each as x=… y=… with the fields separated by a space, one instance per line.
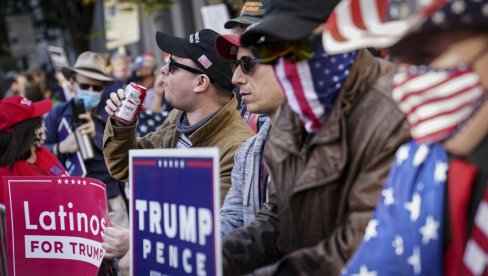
x=145 y=163
x=199 y=164
x=440 y=99
x=434 y=136
x=448 y=78
x=331 y=25
x=291 y=69
x=357 y=17
x=479 y=237
x=382 y=9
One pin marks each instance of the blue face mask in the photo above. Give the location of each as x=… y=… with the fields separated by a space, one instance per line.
x=90 y=98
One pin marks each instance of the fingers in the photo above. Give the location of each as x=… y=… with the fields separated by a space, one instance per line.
x=88 y=129
x=114 y=102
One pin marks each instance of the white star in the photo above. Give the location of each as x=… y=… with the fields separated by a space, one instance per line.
x=165 y=163
x=182 y=164
x=150 y=122
x=59 y=181
x=414 y=207
x=66 y=181
x=458 y=7
x=371 y=230
x=398 y=245
x=177 y=164
x=440 y=173
x=388 y=194
x=438 y=17
x=429 y=230
x=72 y=181
x=160 y=163
x=79 y=182
x=84 y=182
x=363 y=271
x=143 y=128
x=420 y=155
x=414 y=261
x=170 y=163
x=402 y=154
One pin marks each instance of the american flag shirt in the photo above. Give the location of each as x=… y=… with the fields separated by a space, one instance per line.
x=404 y=235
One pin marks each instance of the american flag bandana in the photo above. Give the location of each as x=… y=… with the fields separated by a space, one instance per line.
x=311 y=86
x=404 y=235
x=436 y=102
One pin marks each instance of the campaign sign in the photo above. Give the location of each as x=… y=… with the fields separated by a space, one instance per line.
x=55 y=225
x=174 y=205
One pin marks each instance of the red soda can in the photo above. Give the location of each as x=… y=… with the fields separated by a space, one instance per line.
x=134 y=97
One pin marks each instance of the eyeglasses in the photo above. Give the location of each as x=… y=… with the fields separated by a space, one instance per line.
x=270 y=52
x=246 y=63
x=173 y=64
x=86 y=86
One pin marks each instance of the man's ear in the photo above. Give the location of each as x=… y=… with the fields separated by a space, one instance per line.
x=202 y=83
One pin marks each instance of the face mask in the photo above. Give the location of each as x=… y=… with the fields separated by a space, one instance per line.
x=39 y=136
x=436 y=101
x=90 y=98
x=311 y=86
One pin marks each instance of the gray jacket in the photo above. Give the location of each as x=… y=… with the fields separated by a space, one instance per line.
x=242 y=201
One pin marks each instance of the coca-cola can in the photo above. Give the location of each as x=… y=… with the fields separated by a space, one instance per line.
x=134 y=97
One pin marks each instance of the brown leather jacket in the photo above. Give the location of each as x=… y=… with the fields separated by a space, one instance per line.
x=323 y=189
x=226 y=130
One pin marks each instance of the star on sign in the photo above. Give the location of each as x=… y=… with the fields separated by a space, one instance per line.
x=429 y=230
x=66 y=181
x=420 y=155
x=59 y=181
x=72 y=181
x=363 y=271
x=388 y=195
x=402 y=154
x=371 y=230
x=414 y=207
x=414 y=261
x=440 y=172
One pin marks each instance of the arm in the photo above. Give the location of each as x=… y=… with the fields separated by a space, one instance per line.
x=231 y=213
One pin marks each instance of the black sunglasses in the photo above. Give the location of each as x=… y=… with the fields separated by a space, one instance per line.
x=173 y=64
x=246 y=64
x=86 y=86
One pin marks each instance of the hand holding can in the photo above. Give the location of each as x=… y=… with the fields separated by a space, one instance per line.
x=124 y=107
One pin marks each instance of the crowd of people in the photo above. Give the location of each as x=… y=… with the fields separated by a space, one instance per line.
x=333 y=159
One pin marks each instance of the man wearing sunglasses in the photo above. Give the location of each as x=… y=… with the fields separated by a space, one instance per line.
x=87 y=82
x=328 y=152
x=262 y=95
x=197 y=83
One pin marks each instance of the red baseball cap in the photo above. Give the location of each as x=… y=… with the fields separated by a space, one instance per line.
x=227 y=45
x=16 y=109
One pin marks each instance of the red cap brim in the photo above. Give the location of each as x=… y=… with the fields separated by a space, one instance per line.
x=227 y=45
x=41 y=108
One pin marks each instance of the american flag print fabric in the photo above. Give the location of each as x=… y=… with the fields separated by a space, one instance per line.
x=311 y=86
x=404 y=235
x=356 y=24
x=436 y=102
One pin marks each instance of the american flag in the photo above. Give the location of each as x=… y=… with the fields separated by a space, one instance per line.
x=404 y=235
x=310 y=86
x=476 y=253
x=356 y=24
x=436 y=102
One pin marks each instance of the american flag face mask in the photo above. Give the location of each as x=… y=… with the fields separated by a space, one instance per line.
x=437 y=102
x=311 y=86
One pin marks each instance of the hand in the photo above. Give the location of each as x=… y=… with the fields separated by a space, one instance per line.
x=158 y=85
x=87 y=128
x=124 y=265
x=68 y=145
x=114 y=102
x=115 y=241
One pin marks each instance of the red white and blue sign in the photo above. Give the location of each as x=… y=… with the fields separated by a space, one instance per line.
x=174 y=220
x=55 y=225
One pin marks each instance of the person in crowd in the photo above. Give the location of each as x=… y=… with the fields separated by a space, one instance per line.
x=431 y=219
x=87 y=82
x=197 y=83
x=328 y=153
x=251 y=12
x=37 y=76
x=22 y=135
x=261 y=94
x=120 y=67
x=143 y=69
x=17 y=86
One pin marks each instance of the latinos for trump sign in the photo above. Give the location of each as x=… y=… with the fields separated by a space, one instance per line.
x=175 y=199
x=55 y=225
